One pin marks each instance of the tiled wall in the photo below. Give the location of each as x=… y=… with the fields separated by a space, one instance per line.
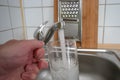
x=109 y=21
x=38 y=11
x=10 y=20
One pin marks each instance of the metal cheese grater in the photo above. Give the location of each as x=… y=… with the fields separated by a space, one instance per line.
x=70 y=13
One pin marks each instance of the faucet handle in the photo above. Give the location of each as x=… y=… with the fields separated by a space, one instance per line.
x=38 y=34
x=56 y=26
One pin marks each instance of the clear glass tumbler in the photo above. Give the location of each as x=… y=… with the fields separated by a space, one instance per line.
x=63 y=60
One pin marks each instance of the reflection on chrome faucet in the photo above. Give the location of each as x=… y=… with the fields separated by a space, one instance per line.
x=40 y=35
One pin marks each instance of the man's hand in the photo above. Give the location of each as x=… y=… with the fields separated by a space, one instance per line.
x=20 y=59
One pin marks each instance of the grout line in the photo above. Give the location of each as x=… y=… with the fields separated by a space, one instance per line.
x=9 y=6
x=112 y=26
x=35 y=26
x=3 y=5
x=6 y=30
x=40 y=7
x=109 y=26
x=32 y=26
x=10 y=29
x=111 y=4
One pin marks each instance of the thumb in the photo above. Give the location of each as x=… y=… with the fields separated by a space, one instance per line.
x=34 y=44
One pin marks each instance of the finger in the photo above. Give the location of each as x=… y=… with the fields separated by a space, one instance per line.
x=28 y=76
x=42 y=64
x=34 y=44
x=32 y=68
x=34 y=60
x=30 y=58
x=39 y=53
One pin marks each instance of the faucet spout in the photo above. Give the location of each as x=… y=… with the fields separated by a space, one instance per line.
x=46 y=37
x=51 y=31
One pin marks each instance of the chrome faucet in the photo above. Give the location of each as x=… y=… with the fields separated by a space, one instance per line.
x=40 y=35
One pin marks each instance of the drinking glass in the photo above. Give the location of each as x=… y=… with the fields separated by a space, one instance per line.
x=62 y=56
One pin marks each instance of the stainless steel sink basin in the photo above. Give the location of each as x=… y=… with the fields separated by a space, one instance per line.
x=96 y=68
x=92 y=67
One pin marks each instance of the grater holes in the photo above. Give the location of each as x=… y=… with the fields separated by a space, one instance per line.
x=69 y=9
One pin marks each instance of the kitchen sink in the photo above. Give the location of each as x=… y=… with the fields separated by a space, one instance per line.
x=92 y=66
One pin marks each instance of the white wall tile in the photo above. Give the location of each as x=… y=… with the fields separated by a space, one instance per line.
x=15 y=17
x=101 y=15
x=32 y=3
x=48 y=2
x=33 y=16
x=100 y=34
x=5 y=36
x=18 y=33
x=4 y=18
x=30 y=33
x=112 y=35
x=3 y=2
x=48 y=15
x=101 y=1
x=112 y=15
x=112 y=1
x=14 y=3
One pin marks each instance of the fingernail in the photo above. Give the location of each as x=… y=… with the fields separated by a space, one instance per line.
x=42 y=42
